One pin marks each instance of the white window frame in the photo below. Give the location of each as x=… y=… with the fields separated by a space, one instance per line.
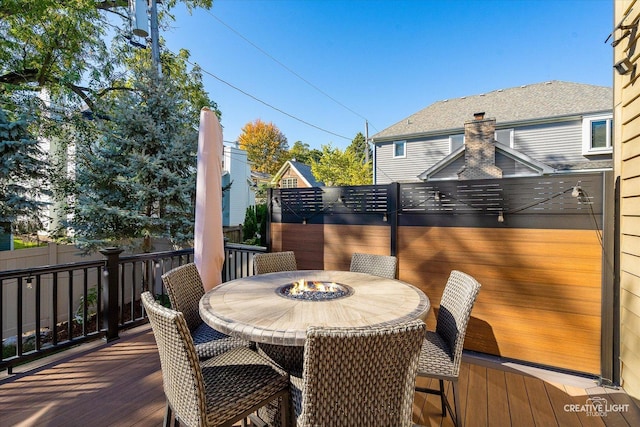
x=451 y=137
x=395 y=150
x=511 y=139
x=587 y=122
x=285 y=183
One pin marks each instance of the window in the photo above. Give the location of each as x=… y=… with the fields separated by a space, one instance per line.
x=596 y=134
x=289 y=183
x=399 y=149
x=455 y=142
x=504 y=137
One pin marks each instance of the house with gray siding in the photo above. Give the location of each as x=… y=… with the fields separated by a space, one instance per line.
x=544 y=128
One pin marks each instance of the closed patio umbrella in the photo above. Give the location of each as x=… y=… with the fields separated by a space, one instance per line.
x=208 y=237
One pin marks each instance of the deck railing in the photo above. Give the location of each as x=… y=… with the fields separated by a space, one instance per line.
x=54 y=307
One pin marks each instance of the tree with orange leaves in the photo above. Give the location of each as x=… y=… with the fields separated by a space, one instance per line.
x=267 y=148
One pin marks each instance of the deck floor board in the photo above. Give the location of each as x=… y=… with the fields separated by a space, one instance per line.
x=120 y=384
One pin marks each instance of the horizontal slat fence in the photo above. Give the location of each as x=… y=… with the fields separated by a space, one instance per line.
x=536 y=245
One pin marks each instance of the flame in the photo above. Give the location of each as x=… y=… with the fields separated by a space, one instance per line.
x=302 y=286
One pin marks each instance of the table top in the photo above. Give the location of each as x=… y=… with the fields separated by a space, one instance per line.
x=252 y=308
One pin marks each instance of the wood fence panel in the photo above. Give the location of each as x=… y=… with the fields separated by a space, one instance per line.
x=541 y=289
x=541 y=267
x=306 y=240
x=341 y=241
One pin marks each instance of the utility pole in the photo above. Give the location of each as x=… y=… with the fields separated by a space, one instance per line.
x=143 y=13
x=366 y=140
x=155 y=37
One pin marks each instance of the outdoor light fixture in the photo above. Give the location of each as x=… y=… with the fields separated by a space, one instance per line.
x=576 y=191
x=624 y=66
x=500 y=217
x=436 y=196
x=304 y=220
x=384 y=217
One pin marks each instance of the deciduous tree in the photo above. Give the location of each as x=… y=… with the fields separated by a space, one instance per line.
x=266 y=147
x=337 y=167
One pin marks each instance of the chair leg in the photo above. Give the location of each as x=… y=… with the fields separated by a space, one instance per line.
x=285 y=410
x=457 y=419
x=168 y=415
x=443 y=399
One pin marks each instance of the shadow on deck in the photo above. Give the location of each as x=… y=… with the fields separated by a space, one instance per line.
x=120 y=384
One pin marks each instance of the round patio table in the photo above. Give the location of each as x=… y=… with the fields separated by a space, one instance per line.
x=253 y=308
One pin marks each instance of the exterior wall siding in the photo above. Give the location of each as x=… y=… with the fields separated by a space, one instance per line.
x=627 y=170
x=421 y=154
x=553 y=144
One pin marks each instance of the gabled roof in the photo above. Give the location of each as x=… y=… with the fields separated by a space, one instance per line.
x=303 y=170
x=536 y=167
x=548 y=100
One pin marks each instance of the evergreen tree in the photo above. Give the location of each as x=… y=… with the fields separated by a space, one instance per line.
x=23 y=174
x=138 y=179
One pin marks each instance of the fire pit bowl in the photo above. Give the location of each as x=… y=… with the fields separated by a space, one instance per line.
x=314 y=291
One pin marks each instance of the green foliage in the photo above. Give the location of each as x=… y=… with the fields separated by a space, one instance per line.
x=250 y=226
x=23 y=173
x=303 y=154
x=337 y=167
x=91 y=303
x=137 y=178
x=254 y=228
x=54 y=62
x=266 y=147
x=360 y=148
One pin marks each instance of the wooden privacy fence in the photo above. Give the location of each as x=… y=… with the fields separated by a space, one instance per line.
x=536 y=245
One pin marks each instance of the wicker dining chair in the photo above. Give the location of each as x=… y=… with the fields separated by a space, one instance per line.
x=378 y=265
x=441 y=352
x=274 y=261
x=184 y=287
x=219 y=391
x=358 y=376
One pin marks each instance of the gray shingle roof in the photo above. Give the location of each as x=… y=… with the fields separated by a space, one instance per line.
x=305 y=171
x=522 y=103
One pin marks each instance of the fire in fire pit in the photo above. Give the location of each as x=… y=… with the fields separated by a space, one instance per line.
x=314 y=291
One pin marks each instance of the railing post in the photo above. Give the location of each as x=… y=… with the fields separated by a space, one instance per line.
x=110 y=293
x=393 y=206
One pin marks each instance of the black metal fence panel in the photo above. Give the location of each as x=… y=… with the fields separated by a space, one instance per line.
x=570 y=201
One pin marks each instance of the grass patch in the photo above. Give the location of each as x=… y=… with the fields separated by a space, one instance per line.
x=21 y=244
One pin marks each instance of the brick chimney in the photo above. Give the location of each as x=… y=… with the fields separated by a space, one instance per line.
x=480 y=149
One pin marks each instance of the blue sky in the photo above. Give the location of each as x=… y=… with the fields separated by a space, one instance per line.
x=382 y=60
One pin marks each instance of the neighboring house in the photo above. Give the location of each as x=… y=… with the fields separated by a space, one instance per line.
x=626 y=172
x=241 y=192
x=294 y=174
x=529 y=130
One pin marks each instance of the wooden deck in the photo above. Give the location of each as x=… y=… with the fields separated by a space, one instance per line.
x=120 y=384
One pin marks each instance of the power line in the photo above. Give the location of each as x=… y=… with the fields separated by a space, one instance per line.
x=268 y=55
x=266 y=103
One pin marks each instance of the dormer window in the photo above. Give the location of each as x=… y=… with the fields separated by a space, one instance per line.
x=596 y=135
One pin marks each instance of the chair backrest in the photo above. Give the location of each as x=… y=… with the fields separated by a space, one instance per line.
x=181 y=373
x=379 y=265
x=184 y=287
x=361 y=376
x=456 y=303
x=274 y=261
